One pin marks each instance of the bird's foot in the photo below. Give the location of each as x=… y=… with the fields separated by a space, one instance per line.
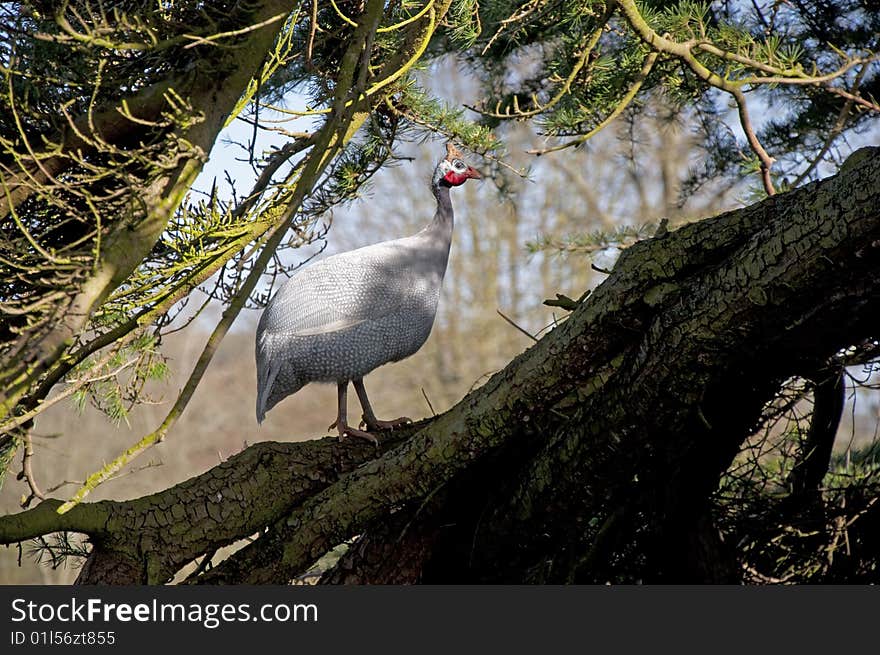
x=346 y=431
x=377 y=425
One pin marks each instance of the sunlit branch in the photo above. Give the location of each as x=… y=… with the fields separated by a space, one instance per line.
x=583 y=57
x=210 y=40
x=684 y=52
x=619 y=108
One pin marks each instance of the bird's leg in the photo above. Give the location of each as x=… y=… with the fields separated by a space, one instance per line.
x=369 y=418
x=341 y=422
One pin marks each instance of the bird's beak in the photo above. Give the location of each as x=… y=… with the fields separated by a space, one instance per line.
x=473 y=173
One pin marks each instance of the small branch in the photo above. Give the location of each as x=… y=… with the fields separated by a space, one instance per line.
x=754 y=143
x=209 y=40
x=517 y=16
x=345 y=19
x=859 y=100
x=797 y=77
x=27 y=471
x=313 y=28
x=428 y=400
x=618 y=109
x=836 y=130
x=71 y=389
x=583 y=58
x=829 y=397
x=63 y=483
x=510 y=320
x=424 y=10
x=562 y=301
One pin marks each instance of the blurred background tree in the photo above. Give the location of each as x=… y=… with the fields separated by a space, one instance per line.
x=595 y=121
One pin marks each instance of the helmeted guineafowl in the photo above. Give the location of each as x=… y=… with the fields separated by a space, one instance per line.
x=339 y=318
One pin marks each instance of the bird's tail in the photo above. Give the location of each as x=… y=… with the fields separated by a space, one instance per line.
x=265 y=379
x=267 y=371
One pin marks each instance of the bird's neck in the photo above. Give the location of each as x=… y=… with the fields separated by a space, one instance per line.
x=443 y=219
x=435 y=239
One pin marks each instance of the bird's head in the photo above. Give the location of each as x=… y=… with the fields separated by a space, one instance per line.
x=452 y=170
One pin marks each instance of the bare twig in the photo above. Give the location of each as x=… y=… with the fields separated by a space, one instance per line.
x=586 y=50
x=618 y=109
x=197 y=40
x=835 y=132
x=510 y=320
x=27 y=471
x=765 y=159
x=428 y=400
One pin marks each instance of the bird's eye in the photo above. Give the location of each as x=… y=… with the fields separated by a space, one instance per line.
x=459 y=165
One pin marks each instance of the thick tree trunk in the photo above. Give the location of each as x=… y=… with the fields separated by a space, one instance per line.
x=592 y=457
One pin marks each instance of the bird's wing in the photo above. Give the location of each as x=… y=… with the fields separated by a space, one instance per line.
x=343 y=291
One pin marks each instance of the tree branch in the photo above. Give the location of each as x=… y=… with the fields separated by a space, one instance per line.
x=233 y=500
x=829 y=397
x=638 y=380
x=617 y=334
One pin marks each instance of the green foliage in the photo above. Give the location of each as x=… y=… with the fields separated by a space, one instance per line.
x=116 y=382
x=464 y=17
x=59 y=549
x=739 y=42
x=585 y=243
x=425 y=114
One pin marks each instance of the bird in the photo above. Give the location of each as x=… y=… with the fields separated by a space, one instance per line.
x=342 y=317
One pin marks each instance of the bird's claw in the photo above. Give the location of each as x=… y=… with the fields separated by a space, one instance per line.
x=372 y=426
x=360 y=434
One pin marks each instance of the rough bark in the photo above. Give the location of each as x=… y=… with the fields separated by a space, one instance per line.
x=592 y=456
x=164 y=531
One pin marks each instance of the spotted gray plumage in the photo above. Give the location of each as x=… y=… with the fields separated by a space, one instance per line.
x=350 y=313
x=338 y=319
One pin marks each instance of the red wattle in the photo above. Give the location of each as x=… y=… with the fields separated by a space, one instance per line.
x=454 y=178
